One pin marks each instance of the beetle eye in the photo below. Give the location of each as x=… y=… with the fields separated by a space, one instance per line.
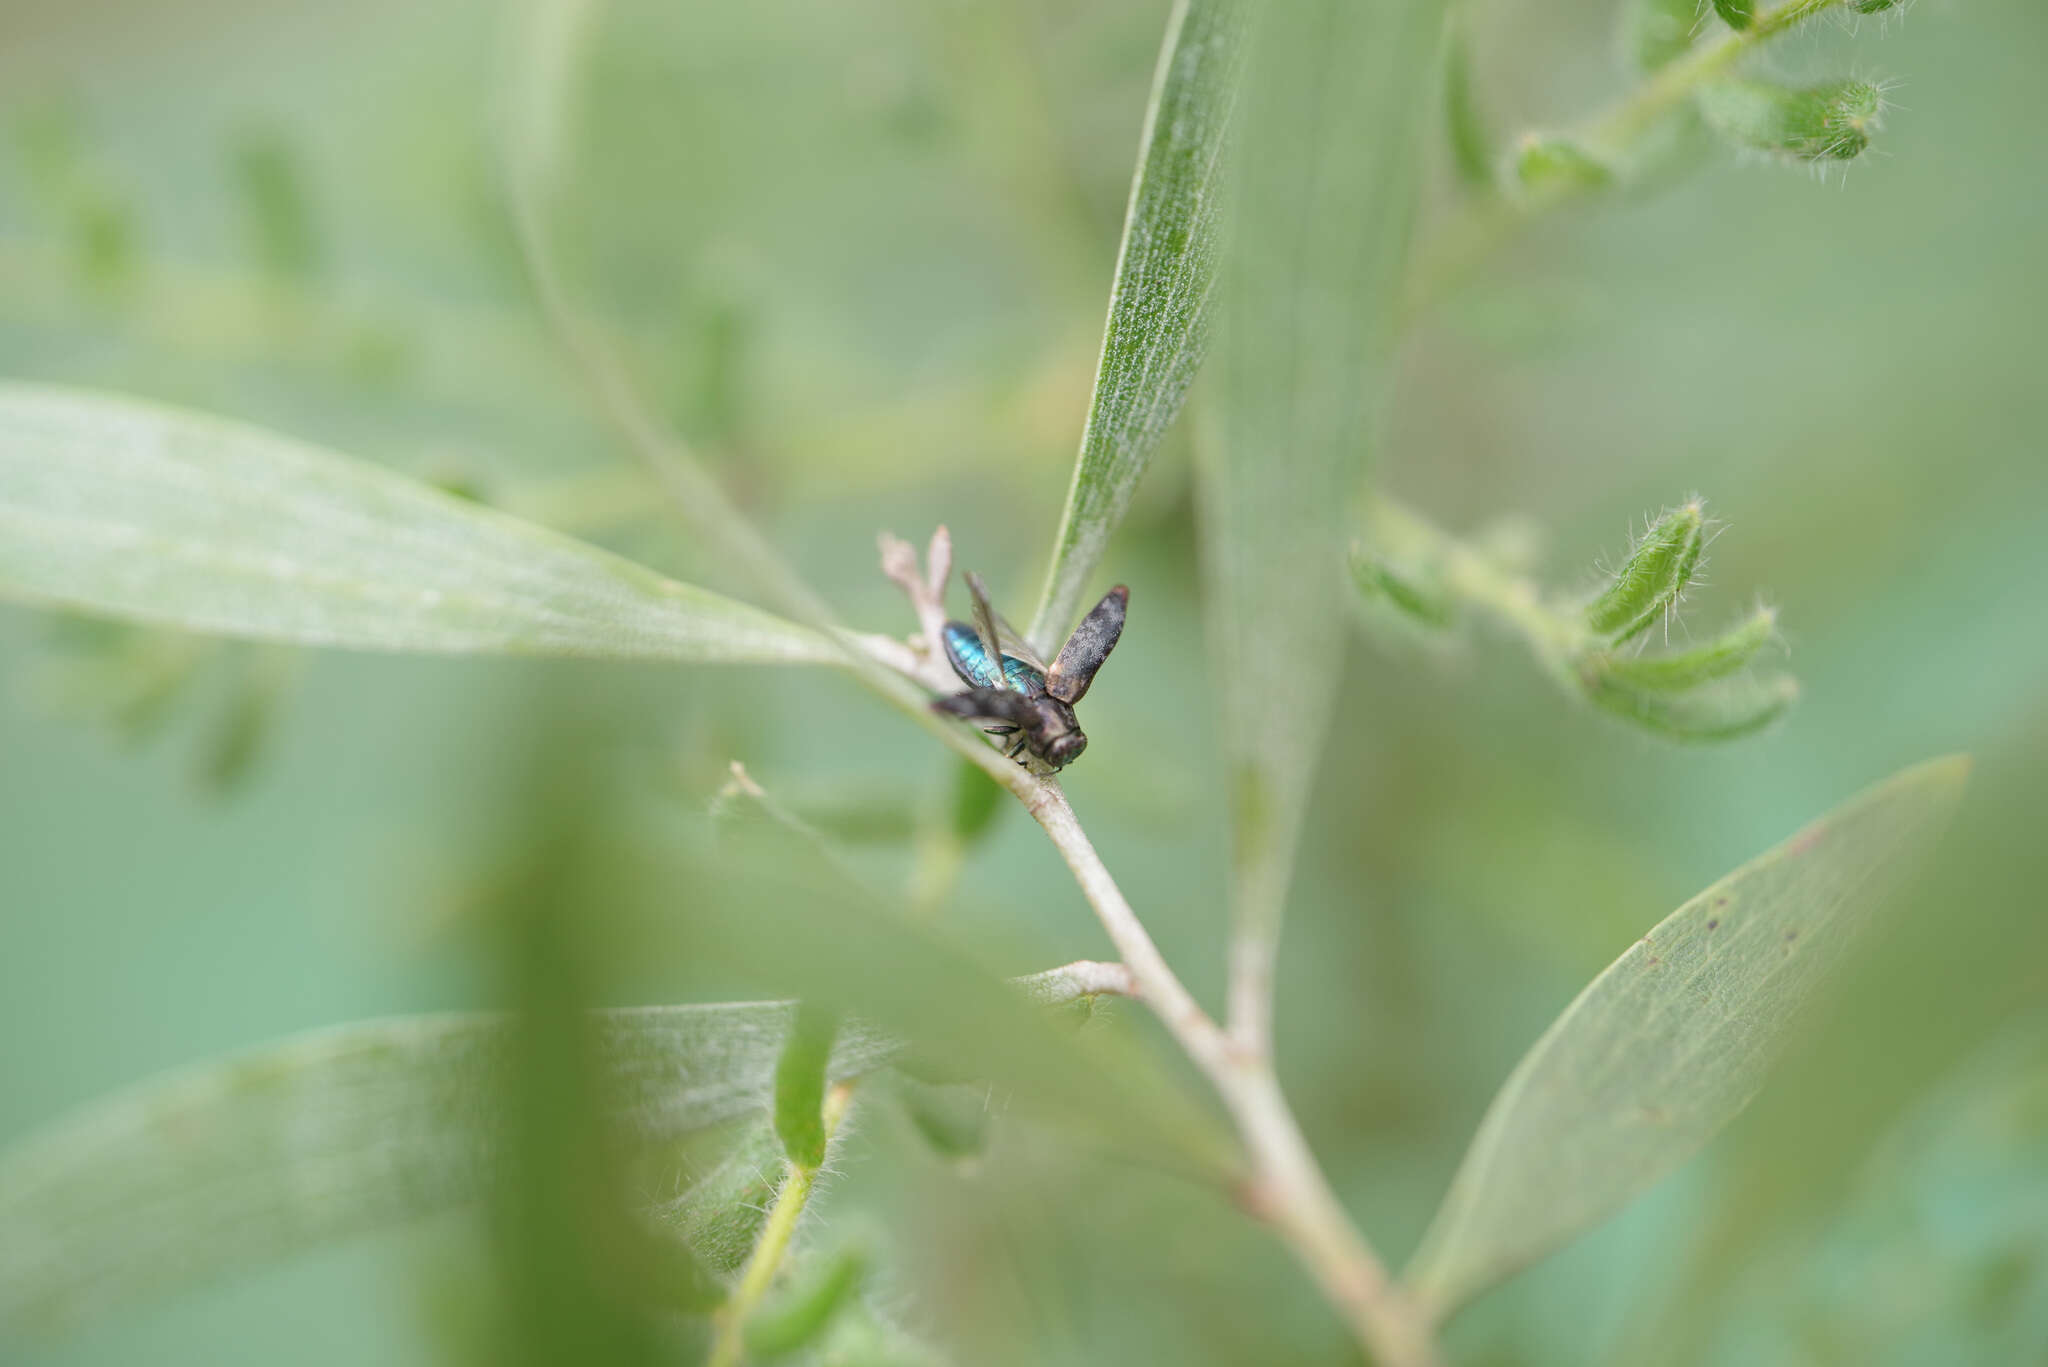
x=1067 y=748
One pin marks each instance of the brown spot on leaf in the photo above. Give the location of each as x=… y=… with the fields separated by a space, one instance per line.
x=1714 y=924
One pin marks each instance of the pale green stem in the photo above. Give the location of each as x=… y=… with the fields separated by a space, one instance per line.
x=1480 y=581
x=1285 y=1187
x=765 y=1261
x=1489 y=219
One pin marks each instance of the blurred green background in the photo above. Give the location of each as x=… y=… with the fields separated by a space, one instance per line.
x=861 y=251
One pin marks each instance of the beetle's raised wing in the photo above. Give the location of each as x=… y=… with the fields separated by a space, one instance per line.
x=1088 y=647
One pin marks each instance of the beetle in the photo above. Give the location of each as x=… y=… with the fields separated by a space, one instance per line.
x=1022 y=697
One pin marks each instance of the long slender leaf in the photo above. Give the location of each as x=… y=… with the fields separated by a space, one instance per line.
x=335 y=1133
x=1159 y=306
x=114 y=506
x=1671 y=1041
x=1336 y=101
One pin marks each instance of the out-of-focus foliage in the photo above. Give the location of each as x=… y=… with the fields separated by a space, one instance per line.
x=1941 y=1251
x=859 y=254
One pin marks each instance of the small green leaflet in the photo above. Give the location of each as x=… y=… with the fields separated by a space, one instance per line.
x=113 y=506
x=1671 y=1041
x=335 y=1133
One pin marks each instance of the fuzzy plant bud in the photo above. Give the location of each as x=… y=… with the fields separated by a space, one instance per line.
x=1736 y=14
x=1656 y=572
x=1546 y=164
x=1656 y=32
x=800 y=1085
x=1678 y=670
x=1826 y=122
x=1413 y=594
x=1873 y=6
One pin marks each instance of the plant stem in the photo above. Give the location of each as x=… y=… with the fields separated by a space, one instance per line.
x=1481 y=581
x=1490 y=218
x=1285 y=1188
x=766 y=1259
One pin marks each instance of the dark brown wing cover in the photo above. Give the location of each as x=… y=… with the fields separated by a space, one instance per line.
x=1088 y=647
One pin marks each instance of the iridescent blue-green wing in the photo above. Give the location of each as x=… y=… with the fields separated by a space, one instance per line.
x=1023 y=677
x=970 y=660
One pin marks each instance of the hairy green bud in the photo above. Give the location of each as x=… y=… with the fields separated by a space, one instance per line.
x=1411 y=593
x=1656 y=32
x=1873 y=6
x=800 y=1085
x=1826 y=122
x=1736 y=14
x=1547 y=163
x=1656 y=572
x=1722 y=711
x=1680 y=670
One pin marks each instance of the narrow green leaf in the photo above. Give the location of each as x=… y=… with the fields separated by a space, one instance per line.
x=1555 y=165
x=800 y=1085
x=114 y=506
x=1671 y=1041
x=789 y=917
x=1381 y=579
x=1335 y=106
x=1159 y=305
x=277 y=211
x=1736 y=14
x=1727 y=710
x=239 y=1162
x=952 y=1117
x=1472 y=154
x=1678 y=670
x=1657 y=32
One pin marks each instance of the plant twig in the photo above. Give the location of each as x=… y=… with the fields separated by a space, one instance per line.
x=1285 y=1187
x=773 y=1244
x=1490 y=218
